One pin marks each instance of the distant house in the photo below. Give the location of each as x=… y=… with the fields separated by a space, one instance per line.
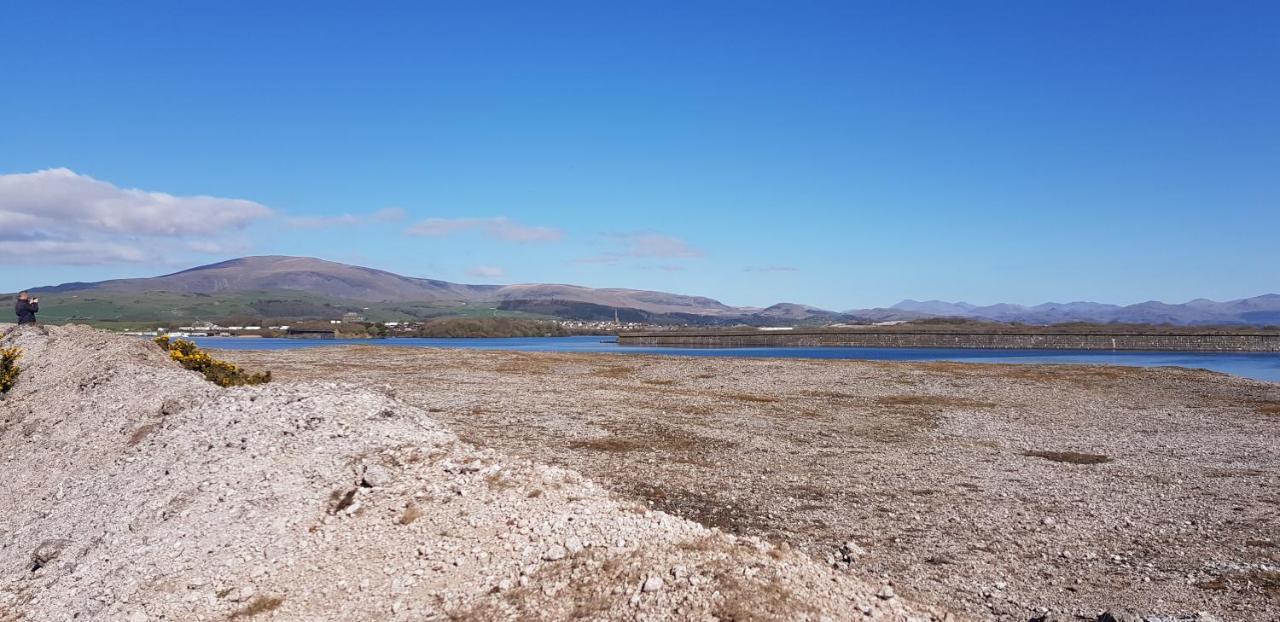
x=352 y=317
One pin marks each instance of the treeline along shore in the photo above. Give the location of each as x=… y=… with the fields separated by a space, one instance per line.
x=1003 y=337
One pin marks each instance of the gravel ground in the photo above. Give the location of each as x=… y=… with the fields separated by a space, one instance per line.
x=137 y=491
x=1004 y=492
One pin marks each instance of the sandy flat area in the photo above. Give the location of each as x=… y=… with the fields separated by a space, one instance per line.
x=1003 y=491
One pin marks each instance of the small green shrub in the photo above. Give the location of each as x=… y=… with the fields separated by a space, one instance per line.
x=9 y=369
x=221 y=373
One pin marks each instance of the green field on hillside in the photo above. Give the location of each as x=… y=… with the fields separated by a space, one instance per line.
x=124 y=311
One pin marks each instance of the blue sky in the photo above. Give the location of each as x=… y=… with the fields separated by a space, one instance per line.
x=842 y=154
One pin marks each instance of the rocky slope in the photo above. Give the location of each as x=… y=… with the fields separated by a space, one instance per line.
x=137 y=491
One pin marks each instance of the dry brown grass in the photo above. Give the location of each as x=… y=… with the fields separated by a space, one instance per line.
x=748 y=397
x=526 y=364
x=613 y=371
x=499 y=481
x=660 y=383
x=411 y=513
x=832 y=395
x=1265 y=581
x=259 y=605
x=1072 y=374
x=701 y=410
x=932 y=401
x=1069 y=457
x=1267 y=407
x=141 y=434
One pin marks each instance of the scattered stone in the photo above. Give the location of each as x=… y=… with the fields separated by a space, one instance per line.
x=555 y=553
x=886 y=593
x=375 y=476
x=47 y=551
x=652 y=584
x=1118 y=615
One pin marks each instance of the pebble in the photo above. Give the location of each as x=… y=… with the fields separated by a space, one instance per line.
x=652 y=584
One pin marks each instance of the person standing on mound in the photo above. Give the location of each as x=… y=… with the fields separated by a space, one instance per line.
x=26 y=308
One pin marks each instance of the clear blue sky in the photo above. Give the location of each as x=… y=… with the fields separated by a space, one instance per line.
x=842 y=154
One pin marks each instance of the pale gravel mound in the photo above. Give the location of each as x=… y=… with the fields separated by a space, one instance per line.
x=137 y=491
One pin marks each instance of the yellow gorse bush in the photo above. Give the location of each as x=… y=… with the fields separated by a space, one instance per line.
x=221 y=373
x=9 y=369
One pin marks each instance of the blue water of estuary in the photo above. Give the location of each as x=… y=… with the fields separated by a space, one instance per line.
x=1260 y=366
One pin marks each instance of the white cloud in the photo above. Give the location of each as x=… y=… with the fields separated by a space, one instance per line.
x=61 y=199
x=645 y=245
x=69 y=252
x=57 y=216
x=485 y=272
x=499 y=227
x=385 y=215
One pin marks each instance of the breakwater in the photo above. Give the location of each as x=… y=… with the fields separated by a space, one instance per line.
x=1048 y=339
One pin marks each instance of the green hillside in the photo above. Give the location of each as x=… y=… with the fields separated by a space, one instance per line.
x=117 y=310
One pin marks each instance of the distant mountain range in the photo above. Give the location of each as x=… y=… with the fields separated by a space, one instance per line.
x=304 y=286
x=1259 y=310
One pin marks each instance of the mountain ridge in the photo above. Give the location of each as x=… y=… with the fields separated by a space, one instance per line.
x=328 y=279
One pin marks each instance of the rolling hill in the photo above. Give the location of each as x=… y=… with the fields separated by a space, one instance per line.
x=269 y=288
x=277 y=287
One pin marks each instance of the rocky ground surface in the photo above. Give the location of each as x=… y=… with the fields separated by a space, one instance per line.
x=135 y=490
x=1003 y=492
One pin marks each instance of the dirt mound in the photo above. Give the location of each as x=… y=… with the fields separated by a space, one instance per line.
x=138 y=491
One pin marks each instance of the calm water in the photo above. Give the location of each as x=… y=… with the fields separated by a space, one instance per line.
x=1257 y=366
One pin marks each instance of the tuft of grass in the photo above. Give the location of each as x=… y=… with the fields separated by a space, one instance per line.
x=1069 y=457
x=660 y=383
x=259 y=604
x=1267 y=407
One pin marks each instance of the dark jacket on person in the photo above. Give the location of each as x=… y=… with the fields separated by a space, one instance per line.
x=26 y=311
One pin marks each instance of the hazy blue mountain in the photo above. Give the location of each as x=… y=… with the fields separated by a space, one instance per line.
x=1263 y=310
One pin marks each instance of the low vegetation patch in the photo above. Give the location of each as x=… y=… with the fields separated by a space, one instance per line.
x=9 y=369
x=1267 y=407
x=613 y=371
x=221 y=373
x=937 y=401
x=1070 y=457
x=747 y=397
x=260 y=604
